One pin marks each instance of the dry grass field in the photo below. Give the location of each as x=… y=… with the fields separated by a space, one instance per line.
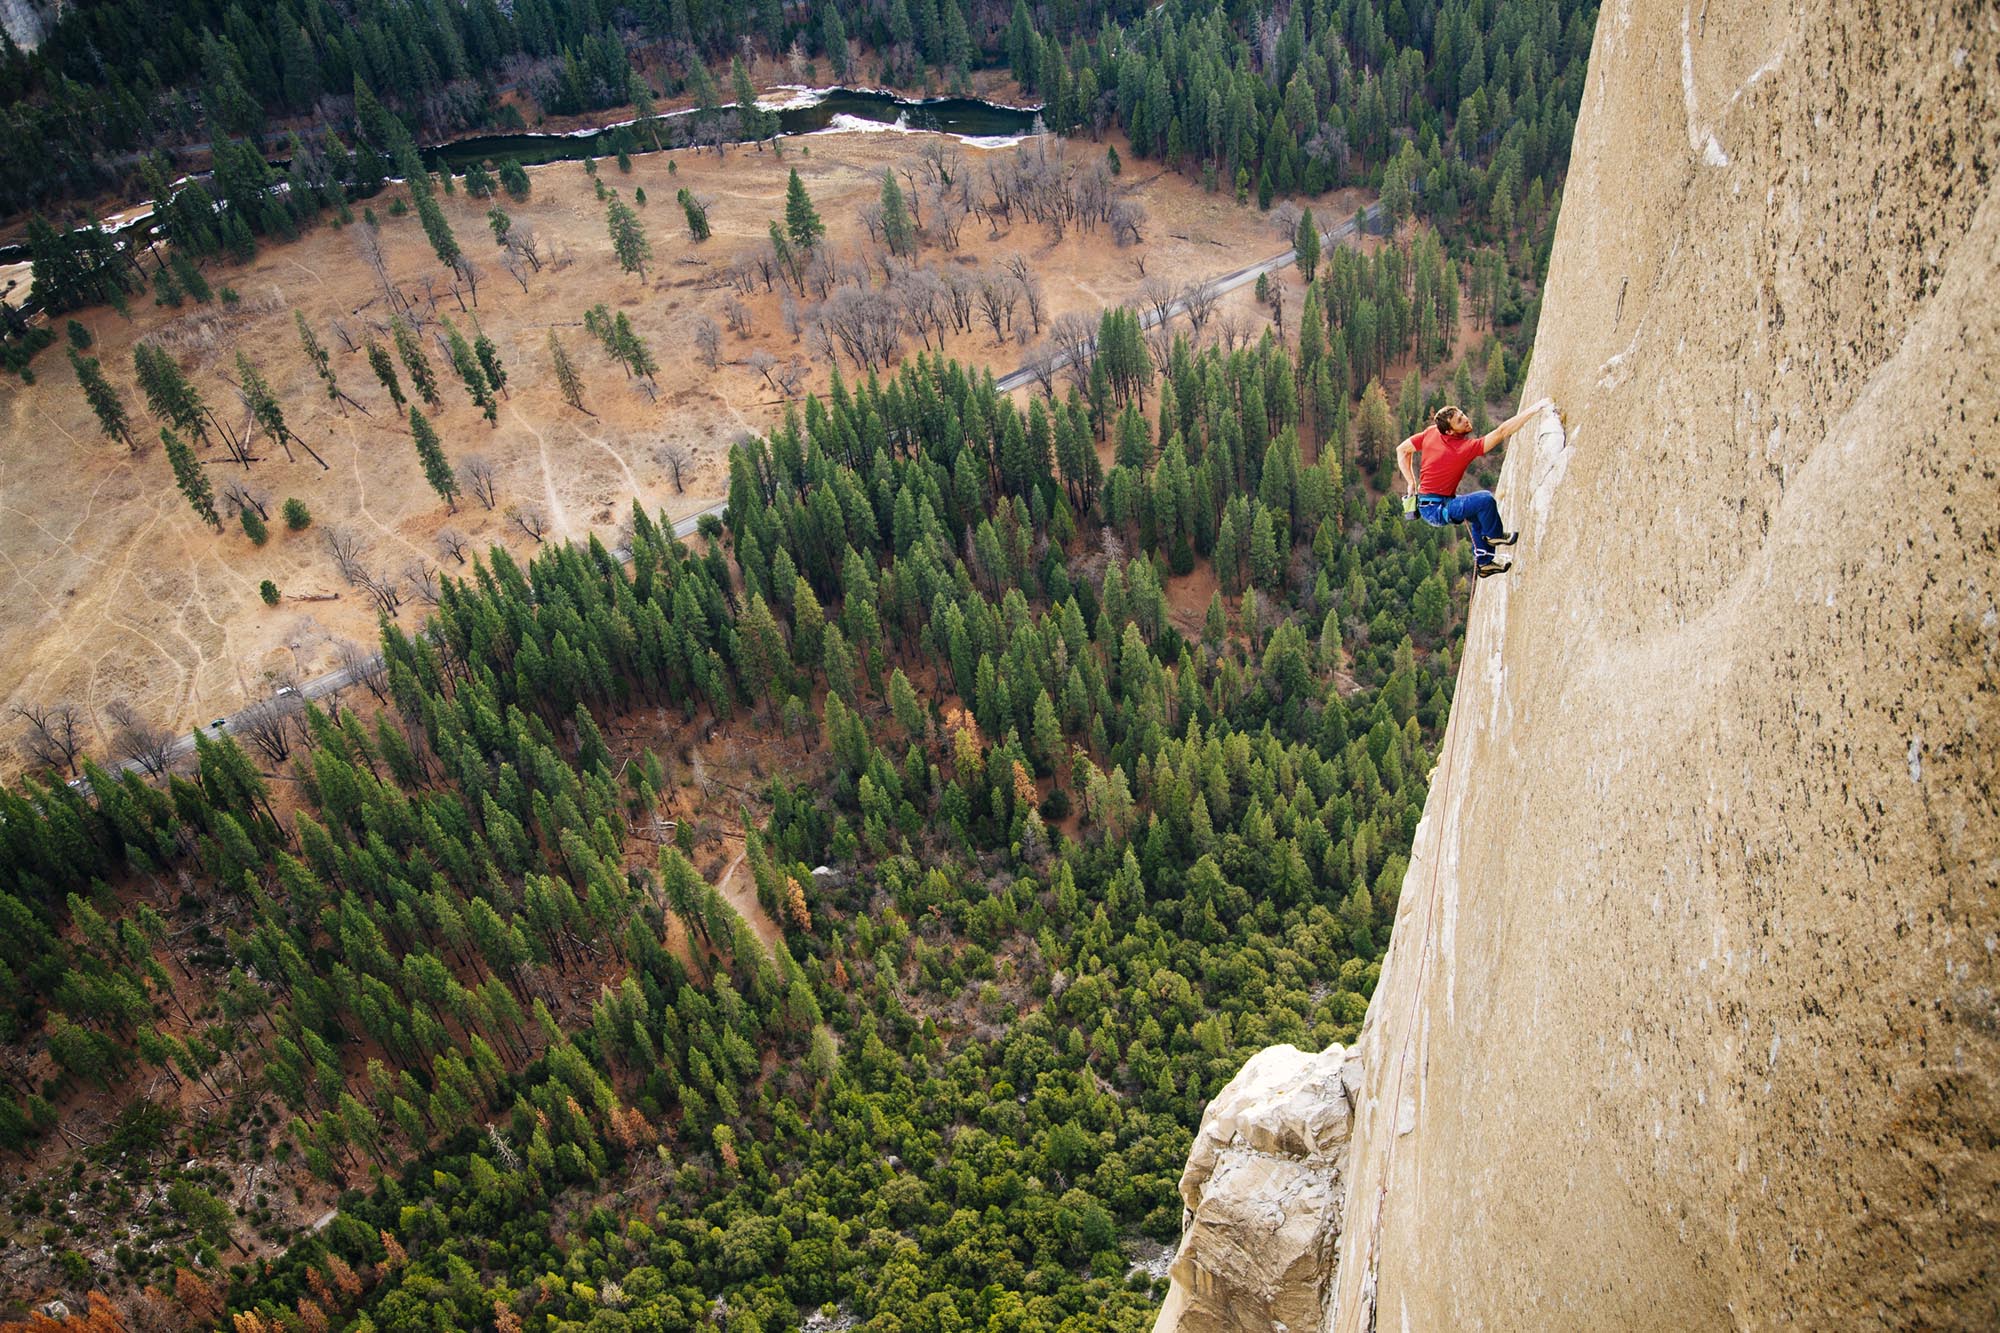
x=119 y=594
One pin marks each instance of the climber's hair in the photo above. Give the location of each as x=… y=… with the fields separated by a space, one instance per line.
x=1443 y=416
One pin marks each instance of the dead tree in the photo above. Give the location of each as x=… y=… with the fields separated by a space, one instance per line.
x=54 y=735
x=238 y=496
x=452 y=542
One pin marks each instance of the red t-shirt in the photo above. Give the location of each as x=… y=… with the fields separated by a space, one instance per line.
x=1446 y=457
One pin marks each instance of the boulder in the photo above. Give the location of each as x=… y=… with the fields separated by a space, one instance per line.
x=1263 y=1190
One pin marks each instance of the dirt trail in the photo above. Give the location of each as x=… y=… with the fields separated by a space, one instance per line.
x=739 y=890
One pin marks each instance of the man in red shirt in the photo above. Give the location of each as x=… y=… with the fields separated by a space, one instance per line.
x=1448 y=448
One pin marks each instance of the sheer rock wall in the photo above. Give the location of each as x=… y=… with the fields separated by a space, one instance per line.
x=1690 y=1018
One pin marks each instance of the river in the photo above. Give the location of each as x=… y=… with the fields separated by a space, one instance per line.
x=800 y=111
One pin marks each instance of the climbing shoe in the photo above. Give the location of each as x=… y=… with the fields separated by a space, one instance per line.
x=1492 y=567
x=1504 y=539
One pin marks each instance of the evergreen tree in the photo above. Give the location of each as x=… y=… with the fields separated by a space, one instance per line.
x=168 y=392
x=567 y=380
x=466 y=362
x=802 y=220
x=385 y=371
x=193 y=482
x=1305 y=243
x=437 y=471
x=416 y=361
x=898 y=233
x=628 y=237
x=103 y=399
x=697 y=215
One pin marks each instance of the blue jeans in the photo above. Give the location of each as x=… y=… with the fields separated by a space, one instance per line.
x=1479 y=511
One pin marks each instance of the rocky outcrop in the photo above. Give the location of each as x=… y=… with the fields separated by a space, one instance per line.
x=1689 y=1019
x=28 y=21
x=1262 y=1191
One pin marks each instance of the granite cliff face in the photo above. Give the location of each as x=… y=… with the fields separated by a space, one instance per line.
x=1690 y=1016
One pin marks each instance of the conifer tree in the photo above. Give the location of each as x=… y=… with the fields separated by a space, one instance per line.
x=437 y=471
x=466 y=362
x=168 y=392
x=489 y=360
x=628 y=237
x=630 y=348
x=103 y=399
x=317 y=354
x=802 y=220
x=193 y=482
x=1305 y=244
x=416 y=361
x=567 y=379
x=898 y=233
x=697 y=215
x=385 y=371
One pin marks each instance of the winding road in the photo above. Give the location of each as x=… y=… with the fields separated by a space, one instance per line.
x=1228 y=282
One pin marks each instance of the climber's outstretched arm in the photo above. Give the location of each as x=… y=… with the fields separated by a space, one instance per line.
x=1498 y=435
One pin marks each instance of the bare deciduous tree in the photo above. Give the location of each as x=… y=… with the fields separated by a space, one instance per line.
x=1030 y=288
x=54 y=735
x=675 y=458
x=1199 y=299
x=1075 y=337
x=384 y=588
x=1284 y=220
x=866 y=324
x=363 y=668
x=738 y=315
x=345 y=548
x=530 y=518
x=1042 y=363
x=1157 y=294
x=708 y=341
x=481 y=478
x=452 y=542
x=141 y=741
x=1232 y=331
x=422 y=577
x=1127 y=218
x=267 y=725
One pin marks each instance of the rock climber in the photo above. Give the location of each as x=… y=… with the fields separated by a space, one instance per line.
x=1449 y=447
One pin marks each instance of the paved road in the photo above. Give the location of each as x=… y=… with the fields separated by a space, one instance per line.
x=320 y=686
x=1228 y=282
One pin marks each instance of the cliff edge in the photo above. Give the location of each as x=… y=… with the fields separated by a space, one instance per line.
x=1690 y=1019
